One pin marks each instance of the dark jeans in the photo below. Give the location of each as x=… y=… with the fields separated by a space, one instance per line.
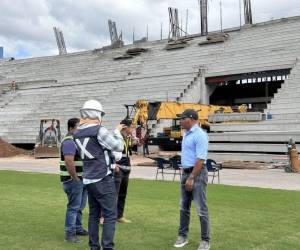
x=102 y=198
x=77 y=197
x=199 y=196
x=145 y=149
x=121 y=182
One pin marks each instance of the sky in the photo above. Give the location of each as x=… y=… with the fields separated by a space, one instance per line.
x=26 y=26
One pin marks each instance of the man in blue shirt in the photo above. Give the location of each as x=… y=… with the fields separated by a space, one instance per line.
x=194 y=179
x=71 y=177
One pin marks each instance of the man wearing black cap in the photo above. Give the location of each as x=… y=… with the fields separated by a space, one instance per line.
x=194 y=180
x=122 y=170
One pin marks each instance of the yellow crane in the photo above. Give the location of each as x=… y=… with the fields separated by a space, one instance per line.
x=144 y=111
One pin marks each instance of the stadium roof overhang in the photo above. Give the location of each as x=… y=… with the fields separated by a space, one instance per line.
x=249 y=75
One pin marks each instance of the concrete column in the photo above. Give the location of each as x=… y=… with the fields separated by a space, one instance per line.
x=200 y=91
x=193 y=95
x=204 y=91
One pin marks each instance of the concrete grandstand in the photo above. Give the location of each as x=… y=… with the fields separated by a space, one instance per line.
x=262 y=57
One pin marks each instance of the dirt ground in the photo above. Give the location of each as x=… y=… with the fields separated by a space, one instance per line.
x=263 y=177
x=8 y=150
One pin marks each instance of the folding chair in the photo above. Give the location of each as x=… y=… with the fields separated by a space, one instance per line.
x=161 y=164
x=214 y=168
x=176 y=166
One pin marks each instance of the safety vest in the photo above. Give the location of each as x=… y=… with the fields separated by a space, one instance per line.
x=96 y=159
x=64 y=174
x=125 y=160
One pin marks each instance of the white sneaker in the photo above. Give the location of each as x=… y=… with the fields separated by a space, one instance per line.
x=204 y=245
x=181 y=242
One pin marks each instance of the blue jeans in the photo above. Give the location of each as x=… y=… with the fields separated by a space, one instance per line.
x=102 y=199
x=77 y=198
x=199 y=196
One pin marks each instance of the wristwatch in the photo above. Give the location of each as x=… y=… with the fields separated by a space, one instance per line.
x=191 y=176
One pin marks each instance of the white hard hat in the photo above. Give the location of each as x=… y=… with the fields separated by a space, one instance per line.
x=93 y=105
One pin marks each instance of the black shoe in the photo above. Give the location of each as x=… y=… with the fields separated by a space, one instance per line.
x=95 y=248
x=73 y=239
x=82 y=233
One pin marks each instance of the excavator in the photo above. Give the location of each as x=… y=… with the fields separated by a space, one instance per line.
x=48 y=140
x=166 y=129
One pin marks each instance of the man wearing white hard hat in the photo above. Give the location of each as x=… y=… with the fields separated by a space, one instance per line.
x=95 y=145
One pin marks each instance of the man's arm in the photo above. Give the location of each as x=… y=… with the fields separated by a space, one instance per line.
x=112 y=142
x=197 y=168
x=70 y=165
x=201 y=143
x=69 y=152
x=196 y=171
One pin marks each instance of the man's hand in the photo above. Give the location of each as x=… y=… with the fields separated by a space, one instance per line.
x=76 y=178
x=120 y=127
x=189 y=184
x=117 y=169
x=70 y=165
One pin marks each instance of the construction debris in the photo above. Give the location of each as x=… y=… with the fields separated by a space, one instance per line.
x=130 y=53
x=122 y=57
x=8 y=150
x=246 y=165
x=215 y=38
x=178 y=43
x=136 y=51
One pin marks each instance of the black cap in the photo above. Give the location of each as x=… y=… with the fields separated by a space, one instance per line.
x=189 y=113
x=127 y=122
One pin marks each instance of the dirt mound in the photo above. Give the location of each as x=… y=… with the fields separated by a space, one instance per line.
x=246 y=165
x=8 y=150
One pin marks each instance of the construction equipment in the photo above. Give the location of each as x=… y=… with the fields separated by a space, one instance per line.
x=174 y=23
x=48 y=140
x=166 y=129
x=116 y=40
x=248 y=12
x=204 y=17
x=61 y=45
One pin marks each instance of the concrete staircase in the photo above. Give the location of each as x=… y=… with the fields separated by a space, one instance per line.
x=20 y=118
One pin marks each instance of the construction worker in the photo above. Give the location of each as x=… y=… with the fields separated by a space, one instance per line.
x=71 y=177
x=13 y=86
x=194 y=179
x=146 y=143
x=123 y=167
x=95 y=145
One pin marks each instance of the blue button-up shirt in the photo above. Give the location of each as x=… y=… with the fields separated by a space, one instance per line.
x=194 y=146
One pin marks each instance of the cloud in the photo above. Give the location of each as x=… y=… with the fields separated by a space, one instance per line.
x=26 y=26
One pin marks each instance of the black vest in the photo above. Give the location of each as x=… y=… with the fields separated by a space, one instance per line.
x=125 y=160
x=93 y=155
x=64 y=174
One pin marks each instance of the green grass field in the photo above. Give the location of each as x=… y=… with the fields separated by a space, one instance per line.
x=33 y=209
